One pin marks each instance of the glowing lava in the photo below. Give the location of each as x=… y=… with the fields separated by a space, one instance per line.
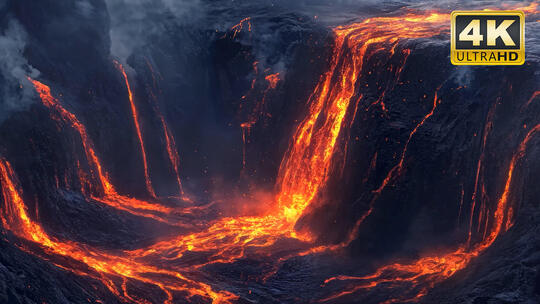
x=101 y=266
x=238 y=27
x=423 y=274
x=257 y=111
x=108 y=196
x=172 y=152
x=307 y=165
x=135 y=115
x=170 y=143
x=303 y=174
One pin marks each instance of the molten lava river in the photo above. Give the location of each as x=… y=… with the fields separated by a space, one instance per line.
x=174 y=269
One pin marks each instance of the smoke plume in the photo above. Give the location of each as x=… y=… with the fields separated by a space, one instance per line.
x=15 y=89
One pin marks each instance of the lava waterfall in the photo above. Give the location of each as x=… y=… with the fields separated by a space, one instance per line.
x=218 y=153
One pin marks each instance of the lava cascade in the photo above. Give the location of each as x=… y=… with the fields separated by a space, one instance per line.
x=105 y=267
x=303 y=174
x=170 y=142
x=307 y=166
x=136 y=122
x=108 y=194
x=421 y=275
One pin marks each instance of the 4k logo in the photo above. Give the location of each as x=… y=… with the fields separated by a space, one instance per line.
x=487 y=38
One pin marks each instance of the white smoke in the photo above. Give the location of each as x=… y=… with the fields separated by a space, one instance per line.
x=85 y=8
x=17 y=91
x=134 y=22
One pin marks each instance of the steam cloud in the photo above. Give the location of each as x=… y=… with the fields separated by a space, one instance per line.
x=134 y=22
x=15 y=89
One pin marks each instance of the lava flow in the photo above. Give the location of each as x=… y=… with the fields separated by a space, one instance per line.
x=170 y=142
x=135 y=115
x=257 y=111
x=238 y=27
x=108 y=194
x=423 y=274
x=307 y=166
x=102 y=266
x=172 y=152
x=303 y=174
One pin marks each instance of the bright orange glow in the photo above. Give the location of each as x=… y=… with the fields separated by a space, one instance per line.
x=104 y=267
x=170 y=143
x=258 y=110
x=303 y=174
x=397 y=169
x=172 y=152
x=272 y=80
x=304 y=169
x=51 y=103
x=307 y=165
x=424 y=273
x=135 y=115
x=238 y=27
x=110 y=197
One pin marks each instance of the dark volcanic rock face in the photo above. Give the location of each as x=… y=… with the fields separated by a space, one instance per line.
x=428 y=149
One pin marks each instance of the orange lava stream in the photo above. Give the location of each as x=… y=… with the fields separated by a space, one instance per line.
x=238 y=27
x=424 y=273
x=172 y=152
x=272 y=79
x=227 y=238
x=50 y=102
x=170 y=143
x=486 y=131
x=303 y=174
x=258 y=110
x=135 y=115
x=105 y=267
x=307 y=166
x=398 y=168
x=532 y=8
x=110 y=197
